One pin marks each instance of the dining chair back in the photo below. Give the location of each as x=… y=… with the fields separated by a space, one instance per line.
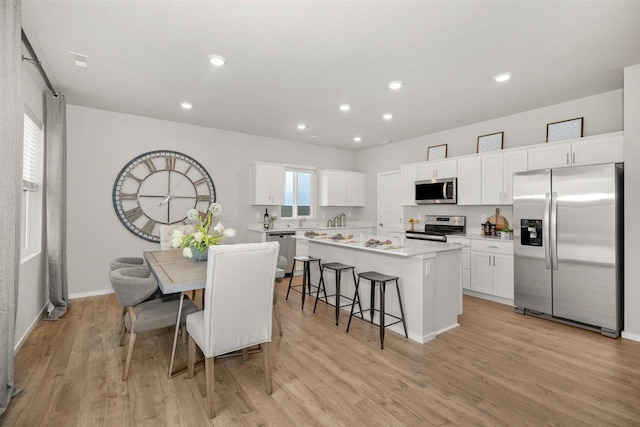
x=238 y=306
x=166 y=234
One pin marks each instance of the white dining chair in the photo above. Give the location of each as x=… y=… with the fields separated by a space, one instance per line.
x=166 y=234
x=238 y=307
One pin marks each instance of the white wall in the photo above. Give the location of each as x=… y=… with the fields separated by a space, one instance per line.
x=32 y=292
x=100 y=143
x=602 y=114
x=632 y=201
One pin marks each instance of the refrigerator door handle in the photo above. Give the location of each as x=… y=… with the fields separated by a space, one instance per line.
x=545 y=230
x=553 y=226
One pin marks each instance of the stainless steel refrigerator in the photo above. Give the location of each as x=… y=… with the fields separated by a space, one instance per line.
x=568 y=245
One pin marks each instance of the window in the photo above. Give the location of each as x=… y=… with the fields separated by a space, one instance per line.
x=31 y=224
x=298 y=193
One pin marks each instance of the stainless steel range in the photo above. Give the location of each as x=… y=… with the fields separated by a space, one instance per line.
x=436 y=228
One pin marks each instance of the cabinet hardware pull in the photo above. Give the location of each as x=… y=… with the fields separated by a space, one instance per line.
x=574 y=157
x=567 y=158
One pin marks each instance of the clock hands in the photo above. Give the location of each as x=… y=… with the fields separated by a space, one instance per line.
x=170 y=195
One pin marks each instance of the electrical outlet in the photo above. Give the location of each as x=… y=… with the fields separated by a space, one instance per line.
x=349 y=213
x=323 y=215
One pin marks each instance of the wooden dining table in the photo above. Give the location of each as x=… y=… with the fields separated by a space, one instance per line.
x=174 y=274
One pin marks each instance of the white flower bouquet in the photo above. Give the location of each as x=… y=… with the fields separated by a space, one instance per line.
x=197 y=243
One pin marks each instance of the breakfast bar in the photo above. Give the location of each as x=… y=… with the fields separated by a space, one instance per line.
x=429 y=273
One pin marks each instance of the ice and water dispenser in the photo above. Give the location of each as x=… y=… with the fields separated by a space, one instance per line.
x=531 y=232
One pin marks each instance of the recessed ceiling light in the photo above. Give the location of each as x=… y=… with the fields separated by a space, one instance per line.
x=387 y=116
x=344 y=107
x=302 y=126
x=502 y=77
x=396 y=84
x=217 y=60
x=186 y=105
x=357 y=139
x=314 y=137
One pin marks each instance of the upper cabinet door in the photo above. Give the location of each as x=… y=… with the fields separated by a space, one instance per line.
x=514 y=161
x=355 y=189
x=341 y=188
x=267 y=184
x=551 y=155
x=597 y=150
x=426 y=170
x=469 y=181
x=493 y=179
x=447 y=169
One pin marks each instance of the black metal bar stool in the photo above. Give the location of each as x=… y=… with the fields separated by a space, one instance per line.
x=306 y=275
x=338 y=268
x=377 y=279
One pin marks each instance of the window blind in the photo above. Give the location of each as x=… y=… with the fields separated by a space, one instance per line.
x=32 y=154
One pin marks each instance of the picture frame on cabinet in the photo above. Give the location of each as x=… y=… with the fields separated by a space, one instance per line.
x=565 y=129
x=490 y=142
x=437 y=152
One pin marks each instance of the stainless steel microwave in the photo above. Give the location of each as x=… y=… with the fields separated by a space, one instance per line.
x=437 y=190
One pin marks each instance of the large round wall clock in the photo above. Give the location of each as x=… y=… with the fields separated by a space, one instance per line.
x=159 y=187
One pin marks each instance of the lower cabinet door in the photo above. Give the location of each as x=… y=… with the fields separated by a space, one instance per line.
x=482 y=272
x=503 y=271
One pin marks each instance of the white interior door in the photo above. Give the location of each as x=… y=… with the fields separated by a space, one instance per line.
x=389 y=207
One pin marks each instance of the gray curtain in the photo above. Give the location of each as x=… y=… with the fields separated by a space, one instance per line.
x=11 y=142
x=55 y=123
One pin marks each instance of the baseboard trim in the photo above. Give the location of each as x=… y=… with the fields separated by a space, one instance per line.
x=630 y=336
x=23 y=338
x=488 y=297
x=90 y=294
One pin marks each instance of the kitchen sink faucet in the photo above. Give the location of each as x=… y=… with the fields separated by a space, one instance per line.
x=301 y=220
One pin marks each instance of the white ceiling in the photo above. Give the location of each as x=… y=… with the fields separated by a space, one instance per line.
x=291 y=62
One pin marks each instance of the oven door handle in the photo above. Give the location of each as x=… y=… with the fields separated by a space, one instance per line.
x=444 y=191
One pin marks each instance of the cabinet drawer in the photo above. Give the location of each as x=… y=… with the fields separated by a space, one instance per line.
x=494 y=246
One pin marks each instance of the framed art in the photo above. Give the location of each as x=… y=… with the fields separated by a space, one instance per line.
x=437 y=152
x=491 y=142
x=566 y=129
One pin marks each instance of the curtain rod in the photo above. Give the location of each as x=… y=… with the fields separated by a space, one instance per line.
x=35 y=61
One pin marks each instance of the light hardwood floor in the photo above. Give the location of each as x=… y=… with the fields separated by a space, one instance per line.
x=497 y=368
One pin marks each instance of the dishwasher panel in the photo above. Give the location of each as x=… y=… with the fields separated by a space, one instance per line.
x=287 y=245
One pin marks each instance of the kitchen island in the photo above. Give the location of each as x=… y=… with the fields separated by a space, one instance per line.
x=430 y=280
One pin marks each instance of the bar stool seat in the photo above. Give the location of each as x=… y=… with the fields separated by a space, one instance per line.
x=338 y=268
x=381 y=280
x=306 y=275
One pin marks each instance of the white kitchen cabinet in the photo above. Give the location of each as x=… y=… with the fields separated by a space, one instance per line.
x=497 y=175
x=267 y=184
x=438 y=169
x=492 y=267
x=590 y=150
x=597 y=150
x=408 y=178
x=470 y=180
x=466 y=259
x=341 y=188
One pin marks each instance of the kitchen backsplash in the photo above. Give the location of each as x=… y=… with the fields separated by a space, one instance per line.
x=474 y=214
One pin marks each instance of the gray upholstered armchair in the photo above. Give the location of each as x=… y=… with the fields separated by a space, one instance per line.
x=132 y=286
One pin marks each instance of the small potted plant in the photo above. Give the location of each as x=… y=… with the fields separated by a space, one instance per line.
x=412 y=222
x=506 y=234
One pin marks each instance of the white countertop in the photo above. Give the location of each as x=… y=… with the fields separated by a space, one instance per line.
x=409 y=248
x=480 y=237
x=305 y=227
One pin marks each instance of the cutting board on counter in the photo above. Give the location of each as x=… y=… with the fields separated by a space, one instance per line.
x=498 y=220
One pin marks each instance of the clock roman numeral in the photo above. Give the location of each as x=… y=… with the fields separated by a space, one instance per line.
x=128 y=196
x=170 y=163
x=135 y=178
x=204 y=198
x=149 y=164
x=148 y=227
x=188 y=169
x=200 y=181
x=133 y=214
